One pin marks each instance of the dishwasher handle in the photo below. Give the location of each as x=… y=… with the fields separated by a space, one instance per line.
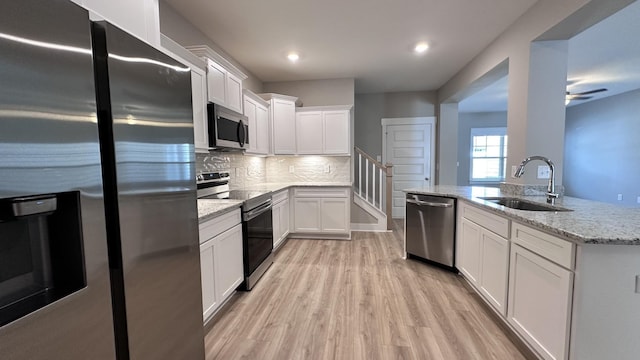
x=427 y=203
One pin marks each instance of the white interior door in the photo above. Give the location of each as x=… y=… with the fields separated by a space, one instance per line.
x=409 y=146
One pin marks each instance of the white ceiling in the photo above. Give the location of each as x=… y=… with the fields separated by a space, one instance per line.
x=606 y=55
x=369 y=40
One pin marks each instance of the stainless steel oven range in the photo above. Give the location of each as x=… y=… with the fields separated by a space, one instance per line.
x=257 y=223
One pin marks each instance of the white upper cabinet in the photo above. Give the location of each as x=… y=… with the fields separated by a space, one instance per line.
x=198 y=90
x=257 y=112
x=336 y=132
x=323 y=130
x=138 y=17
x=224 y=80
x=282 y=111
x=216 y=92
x=308 y=132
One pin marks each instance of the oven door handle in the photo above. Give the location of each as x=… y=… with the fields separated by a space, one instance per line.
x=257 y=211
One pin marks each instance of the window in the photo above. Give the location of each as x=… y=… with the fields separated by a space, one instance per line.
x=488 y=154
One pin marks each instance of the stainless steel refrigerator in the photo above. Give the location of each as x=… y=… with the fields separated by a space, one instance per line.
x=99 y=254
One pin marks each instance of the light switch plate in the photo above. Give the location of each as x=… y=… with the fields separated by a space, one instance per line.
x=544 y=172
x=514 y=168
x=327 y=169
x=619 y=197
x=291 y=169
x=637 y=284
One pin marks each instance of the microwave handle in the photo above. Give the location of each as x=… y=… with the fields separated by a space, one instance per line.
x=241 y=134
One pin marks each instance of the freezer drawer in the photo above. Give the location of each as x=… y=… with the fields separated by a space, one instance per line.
x=430 y=228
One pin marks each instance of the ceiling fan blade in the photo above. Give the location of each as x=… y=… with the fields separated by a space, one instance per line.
x=590 y=92
x=578 y=97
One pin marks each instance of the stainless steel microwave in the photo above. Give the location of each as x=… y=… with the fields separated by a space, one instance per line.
x=227 y=128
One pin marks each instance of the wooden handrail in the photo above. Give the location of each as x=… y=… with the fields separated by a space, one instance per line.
x=376 y=162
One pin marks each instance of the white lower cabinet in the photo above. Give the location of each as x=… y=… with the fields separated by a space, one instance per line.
x=280 y=213
x=494 y=272
x=540 y=294
x=221 y=262
x=524 y=273
x=322 y=211
x=483 y=257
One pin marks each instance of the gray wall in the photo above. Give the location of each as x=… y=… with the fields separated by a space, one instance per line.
x=465 y=123
x=545 y=17
x=371 y=108
x=176 y=27
x=316 y=92
x=602 y=149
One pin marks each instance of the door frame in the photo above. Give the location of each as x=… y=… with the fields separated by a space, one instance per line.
x=418 y=120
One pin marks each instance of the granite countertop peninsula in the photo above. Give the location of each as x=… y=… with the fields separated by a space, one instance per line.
x=210 y=208
x=590 y=222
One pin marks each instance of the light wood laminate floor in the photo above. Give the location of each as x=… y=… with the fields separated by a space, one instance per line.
x=358 y=299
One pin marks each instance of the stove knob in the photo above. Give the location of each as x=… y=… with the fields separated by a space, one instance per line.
x=200 y=178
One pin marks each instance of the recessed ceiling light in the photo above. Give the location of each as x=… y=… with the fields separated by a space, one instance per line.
x=293 y=57
x=421 y=47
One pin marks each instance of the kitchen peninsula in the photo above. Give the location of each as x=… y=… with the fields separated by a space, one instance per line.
x=565 y=282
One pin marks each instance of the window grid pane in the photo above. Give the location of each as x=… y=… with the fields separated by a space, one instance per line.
x=488 y=157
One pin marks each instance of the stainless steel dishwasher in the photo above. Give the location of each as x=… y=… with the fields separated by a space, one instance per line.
x=430 y=228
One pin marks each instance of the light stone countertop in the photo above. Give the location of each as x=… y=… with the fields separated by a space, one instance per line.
x=590 y=222
x=210 y=208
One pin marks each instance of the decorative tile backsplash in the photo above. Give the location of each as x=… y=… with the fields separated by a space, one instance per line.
x=308 y=168
x=247 y=170
x=527 y=189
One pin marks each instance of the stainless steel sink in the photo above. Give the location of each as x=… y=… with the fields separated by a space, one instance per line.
x=520 y=204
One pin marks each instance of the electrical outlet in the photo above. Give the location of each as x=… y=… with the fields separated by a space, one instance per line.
x=291 y=169
x=514 y=168
x=238 y=172
x=637 y=284
x=638 y=200
x=543 y=172
x=379 y=158
x=619 y=197
x=327 y=169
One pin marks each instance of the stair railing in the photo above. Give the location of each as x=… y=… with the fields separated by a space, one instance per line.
x=368 y=169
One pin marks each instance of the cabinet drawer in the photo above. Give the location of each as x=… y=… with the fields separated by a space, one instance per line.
x=494 y=223
x=219 y=224
x=557 y=250
x=280 y=196
x=322 y=192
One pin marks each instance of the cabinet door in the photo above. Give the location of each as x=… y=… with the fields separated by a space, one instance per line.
x=284 y=219
x=199 y=100
x=307 y=215
x=207 y=276
x=309 y=132
x=229 y=270
x=539 y=302
x=494 y=270
x=336 y=132
x=276 y=213
x=284 y=127
x=140 y=17
x=250 y=111
x=262 y=132
x=468 y=261
x=335 y=215
x=233 y=92
x=216 y=83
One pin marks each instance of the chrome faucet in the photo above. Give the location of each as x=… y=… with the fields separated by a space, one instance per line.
x=551 y=188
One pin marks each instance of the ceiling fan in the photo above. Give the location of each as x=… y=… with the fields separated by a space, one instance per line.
x=582 y=95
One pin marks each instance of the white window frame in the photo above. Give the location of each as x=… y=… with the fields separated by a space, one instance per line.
x=501 y=131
